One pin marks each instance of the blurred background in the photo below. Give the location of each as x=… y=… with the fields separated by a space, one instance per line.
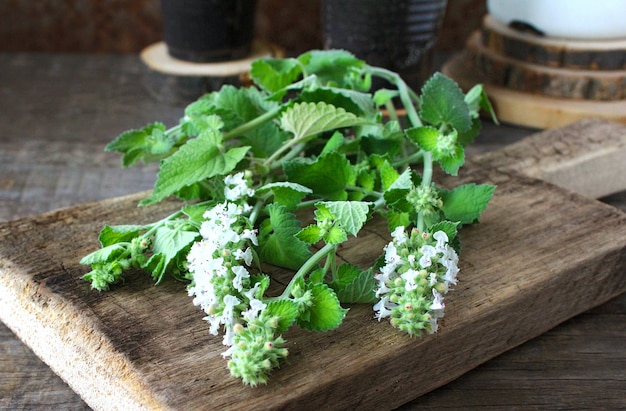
x=128 y=26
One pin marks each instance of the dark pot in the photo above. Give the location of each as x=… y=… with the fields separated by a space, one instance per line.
x=395 y=34
x=208 y=30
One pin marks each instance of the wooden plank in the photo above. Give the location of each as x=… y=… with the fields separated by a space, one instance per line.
x=513 y=288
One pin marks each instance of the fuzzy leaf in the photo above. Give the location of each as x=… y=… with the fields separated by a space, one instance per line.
x=335 y=235
x=325 y=313
x=443 y=102
x=277 y=242
x=197 y=160
x=285 y=193
x=310 y=235
x=148 y=142
x=168 y=243
x=104 y=255
x=351 y=215
x=353 y=285
x=274 y=74
x=286 y=311
x=119 y=233
x=465 y=203
x=306 y=120
x=327 y=176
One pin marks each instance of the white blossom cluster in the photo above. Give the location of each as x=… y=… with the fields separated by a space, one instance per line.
x=419 y=269
x=219 y=263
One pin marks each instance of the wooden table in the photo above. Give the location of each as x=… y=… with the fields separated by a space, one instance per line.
x=57 y=112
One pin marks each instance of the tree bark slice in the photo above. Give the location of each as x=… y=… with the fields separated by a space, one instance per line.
x=609 y=54
x=517 y=75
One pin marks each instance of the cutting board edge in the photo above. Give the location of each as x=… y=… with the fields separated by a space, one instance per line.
x=25 y=319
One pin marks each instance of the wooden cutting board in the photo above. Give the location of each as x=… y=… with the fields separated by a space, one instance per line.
x=540 y=255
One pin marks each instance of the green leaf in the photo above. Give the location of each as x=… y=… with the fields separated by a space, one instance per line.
x=443 y=102
x=197 y=160
x=104 y=255
x=325 y=313
x=273 y=74
x=335 y=235
x=277 y=242
x=353 y=101
x=448 y=227
x=465 y=203
x=351 y=215
x=195 y=212
x=353 y=285
x=452 y=162
x=331 y=66
x=383 y=96
x=328 y=175
x=285 y=193
x=143 y=143
x=311 y=234
x=286 y=310
x=119 y=233
x=476 y=100
x=425 y=137
x=397 y=219
x=334 y=143
x=306 y=120
x=168 y=243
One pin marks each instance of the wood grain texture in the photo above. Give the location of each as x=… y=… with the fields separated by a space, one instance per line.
x=575 y=84
x=524 y=109
x=607 y=54
x=513 y=288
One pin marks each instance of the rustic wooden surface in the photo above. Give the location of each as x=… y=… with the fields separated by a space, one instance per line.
x=50 y=131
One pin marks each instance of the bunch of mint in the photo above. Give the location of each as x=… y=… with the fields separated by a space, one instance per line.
x=285 y=171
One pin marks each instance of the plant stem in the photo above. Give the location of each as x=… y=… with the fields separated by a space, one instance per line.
x=252 y=124
x=308 y=266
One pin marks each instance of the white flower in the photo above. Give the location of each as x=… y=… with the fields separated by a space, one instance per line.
x=240 y=274
x=399 y=235
x=250 y=235
x=215 y=324
x=437 y=301
x=256 y=306
x=384 y=308
x=442 y=240
x=433 y=279
x=409 y=277
x=428 y=252
x=236 y=187
x=382 y=285
x=246 y=256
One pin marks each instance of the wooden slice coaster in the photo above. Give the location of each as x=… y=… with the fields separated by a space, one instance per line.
x=179 y=82
x=532 y=110
x=609 y=54
x=548 y=81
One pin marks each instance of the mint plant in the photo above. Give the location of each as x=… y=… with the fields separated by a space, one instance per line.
x=285 y=171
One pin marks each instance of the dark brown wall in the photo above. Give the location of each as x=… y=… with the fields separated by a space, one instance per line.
x=127 y=26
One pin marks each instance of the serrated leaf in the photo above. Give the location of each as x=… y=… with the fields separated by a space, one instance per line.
x=397 y=219
x=103 y=255
x=327 y=176
x=168 y=243
x=477 y=99
x=325 y=313
x=277 y=242
x=274 y=74
x=195 y=212
x=310 y=234
x=119 y=233
x=448 y=227
x=286 y=310
x=135 y=144
x=452 y=162
x=353 y=285
x=335 y=235
x=465 y=203
x=331 y=66
x=425 y=137
x=334 y=143
x=197 y=160
x=443 y=102
x=285 y=193
x=353 y=101
x=351 y=215
x=306 y=120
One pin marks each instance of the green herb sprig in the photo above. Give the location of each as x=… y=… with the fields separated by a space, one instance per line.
x=307 y=142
